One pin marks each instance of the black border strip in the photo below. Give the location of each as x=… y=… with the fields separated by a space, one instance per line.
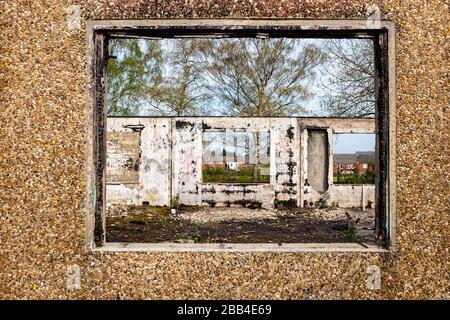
x=102 y=36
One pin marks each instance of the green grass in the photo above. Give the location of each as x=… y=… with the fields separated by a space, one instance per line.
x=244 y=175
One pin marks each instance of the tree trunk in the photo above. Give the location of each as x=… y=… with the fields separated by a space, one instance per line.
x=224 y=150
x=247 y=149
x=235 y=148
x=257 y=155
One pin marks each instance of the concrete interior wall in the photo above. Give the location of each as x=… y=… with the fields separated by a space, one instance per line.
x=123 y=157
x=154 y=168
x=169 y=152
x=317 y=156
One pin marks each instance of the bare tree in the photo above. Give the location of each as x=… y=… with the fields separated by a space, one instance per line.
x=260 y=77
x=349 y=89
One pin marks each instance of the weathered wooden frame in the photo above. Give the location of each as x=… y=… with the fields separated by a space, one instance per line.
x=100 y=31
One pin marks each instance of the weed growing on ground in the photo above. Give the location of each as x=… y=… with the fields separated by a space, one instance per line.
x=197 y=236
x=350 y=234
x=175 y=202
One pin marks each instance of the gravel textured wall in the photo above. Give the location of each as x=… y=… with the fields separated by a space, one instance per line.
x=43 y=90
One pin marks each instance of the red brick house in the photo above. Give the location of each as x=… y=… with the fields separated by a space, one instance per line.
x=349 y=163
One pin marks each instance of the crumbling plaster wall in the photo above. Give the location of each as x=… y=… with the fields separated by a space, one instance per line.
x=171 y=163
x=153 y=185
x=184 y=171
x=46 y=125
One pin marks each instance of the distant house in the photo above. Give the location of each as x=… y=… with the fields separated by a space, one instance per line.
x=344 y=163
x=349 y=163
x=364 y=160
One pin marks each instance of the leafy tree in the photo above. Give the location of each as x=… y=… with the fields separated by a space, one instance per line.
x=181 y=91
x=247 y=77
x=349 y=89
x=134 y=67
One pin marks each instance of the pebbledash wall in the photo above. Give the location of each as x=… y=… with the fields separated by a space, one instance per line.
x=152 y=160
x=46 y=124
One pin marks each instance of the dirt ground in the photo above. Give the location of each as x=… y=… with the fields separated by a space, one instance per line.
x=238 y=225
